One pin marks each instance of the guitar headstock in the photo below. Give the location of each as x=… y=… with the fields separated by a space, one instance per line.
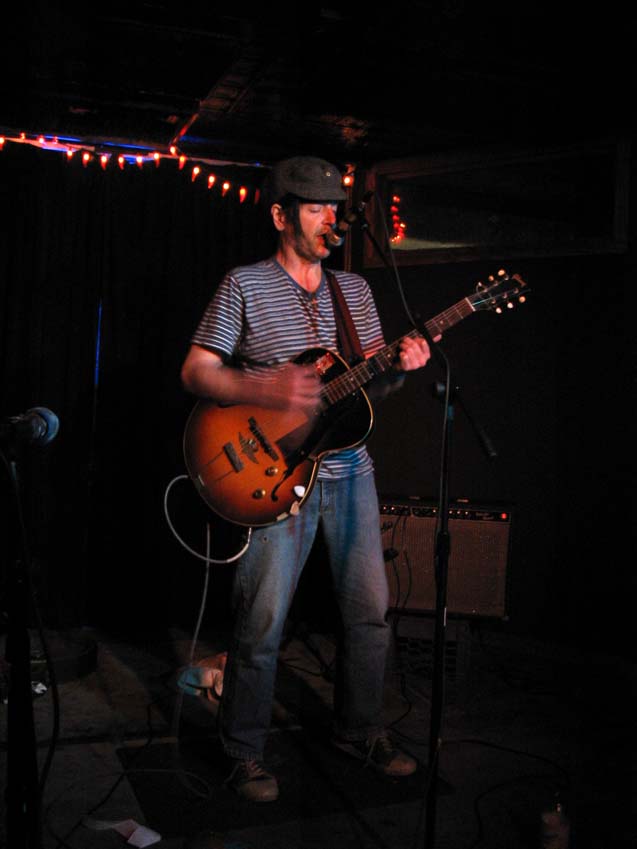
x=502 y=291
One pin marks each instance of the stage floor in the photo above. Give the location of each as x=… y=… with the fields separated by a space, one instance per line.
x=521 y=721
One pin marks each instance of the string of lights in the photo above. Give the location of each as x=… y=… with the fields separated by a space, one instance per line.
x=398 y=226
x=208 y=172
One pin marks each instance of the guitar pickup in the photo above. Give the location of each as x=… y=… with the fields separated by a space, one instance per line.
x=232 y=455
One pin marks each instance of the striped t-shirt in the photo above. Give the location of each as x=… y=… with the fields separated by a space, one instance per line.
x=260 y=317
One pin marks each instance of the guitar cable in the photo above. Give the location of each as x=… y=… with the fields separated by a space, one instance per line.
x=205 y=557
x=183 y=775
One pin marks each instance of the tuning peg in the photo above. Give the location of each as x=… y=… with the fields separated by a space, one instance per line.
x=511 y=305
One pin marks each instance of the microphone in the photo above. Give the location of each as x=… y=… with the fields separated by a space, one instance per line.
x=336 y=236
x=38 y=425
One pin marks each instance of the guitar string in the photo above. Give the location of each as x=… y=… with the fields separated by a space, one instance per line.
x=341 y=386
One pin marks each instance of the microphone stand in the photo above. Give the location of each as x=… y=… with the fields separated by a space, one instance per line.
x=23 y=797
x=442 y=549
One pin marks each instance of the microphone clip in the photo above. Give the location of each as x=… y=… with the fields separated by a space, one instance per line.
x=336 y=236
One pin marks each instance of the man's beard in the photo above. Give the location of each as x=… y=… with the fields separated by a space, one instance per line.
x=306 y=250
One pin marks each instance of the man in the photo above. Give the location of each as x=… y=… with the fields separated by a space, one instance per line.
x=261 y=317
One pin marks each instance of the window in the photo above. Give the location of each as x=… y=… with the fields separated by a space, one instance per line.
x=495 y=205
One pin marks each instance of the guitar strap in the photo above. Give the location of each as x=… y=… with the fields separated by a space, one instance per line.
x=350 y=343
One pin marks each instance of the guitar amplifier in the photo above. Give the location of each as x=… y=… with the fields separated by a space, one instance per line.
x=477 y=578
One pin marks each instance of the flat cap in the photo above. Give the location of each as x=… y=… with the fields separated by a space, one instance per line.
x=308 y=178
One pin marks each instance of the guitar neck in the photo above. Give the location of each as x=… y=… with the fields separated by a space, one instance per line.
x=384 y=359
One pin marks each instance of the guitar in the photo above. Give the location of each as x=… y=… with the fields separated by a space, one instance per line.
x=256 y=466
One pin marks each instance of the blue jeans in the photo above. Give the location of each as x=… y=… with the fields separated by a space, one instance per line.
x=264 y=584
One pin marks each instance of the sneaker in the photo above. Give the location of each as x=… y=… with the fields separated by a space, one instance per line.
x=379 y=752
x=250 y=779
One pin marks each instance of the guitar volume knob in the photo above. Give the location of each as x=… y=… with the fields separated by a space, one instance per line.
x=258 y=493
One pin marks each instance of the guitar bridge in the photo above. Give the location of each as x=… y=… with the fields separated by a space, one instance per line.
x=263 y=440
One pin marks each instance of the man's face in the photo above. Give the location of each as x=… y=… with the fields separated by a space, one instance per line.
x=306 y=238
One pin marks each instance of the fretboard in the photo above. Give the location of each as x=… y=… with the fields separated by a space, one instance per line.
x=385 y=359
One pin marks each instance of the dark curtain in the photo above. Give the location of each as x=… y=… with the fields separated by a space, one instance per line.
x=104 y=274
x=548 y=382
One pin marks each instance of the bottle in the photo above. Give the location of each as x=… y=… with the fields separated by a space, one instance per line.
x=555 y=829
